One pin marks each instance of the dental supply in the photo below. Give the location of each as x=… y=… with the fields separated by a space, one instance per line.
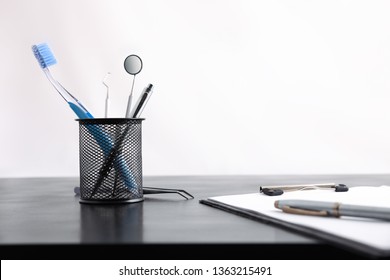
x=45 y=59
x=109 y=160
x=107 y=95
x=141 y=103
x=133 y=65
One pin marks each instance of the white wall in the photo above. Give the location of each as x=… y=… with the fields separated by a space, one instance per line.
x=241 y=87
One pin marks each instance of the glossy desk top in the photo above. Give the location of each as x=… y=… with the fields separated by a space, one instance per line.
x=45 y=212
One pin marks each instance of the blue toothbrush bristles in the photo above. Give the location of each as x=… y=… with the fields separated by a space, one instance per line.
x=44 y=55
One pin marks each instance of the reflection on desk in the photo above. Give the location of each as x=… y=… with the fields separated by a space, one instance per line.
x=111 y=223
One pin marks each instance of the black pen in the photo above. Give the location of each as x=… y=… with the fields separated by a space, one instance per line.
x=143 y=99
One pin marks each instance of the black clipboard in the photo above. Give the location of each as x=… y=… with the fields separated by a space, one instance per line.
x=341 y=242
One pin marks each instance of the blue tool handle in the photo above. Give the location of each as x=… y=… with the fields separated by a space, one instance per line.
x=106 y=145
x=80 y=111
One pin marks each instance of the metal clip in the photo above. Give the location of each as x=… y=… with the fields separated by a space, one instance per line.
x=279 y=190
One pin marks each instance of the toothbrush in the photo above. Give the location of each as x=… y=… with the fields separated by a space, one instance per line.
x=45 y=59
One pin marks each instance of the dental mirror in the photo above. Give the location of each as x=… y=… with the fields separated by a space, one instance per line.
x=133 y=65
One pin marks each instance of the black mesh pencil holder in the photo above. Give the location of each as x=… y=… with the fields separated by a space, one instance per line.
x=110 y=160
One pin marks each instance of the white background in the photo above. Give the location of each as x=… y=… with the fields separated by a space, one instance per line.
x=109 y=269
x=241 y=87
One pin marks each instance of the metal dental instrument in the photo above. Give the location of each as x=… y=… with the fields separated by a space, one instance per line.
x=152 y=190
x=133 y=65
x=107 y=95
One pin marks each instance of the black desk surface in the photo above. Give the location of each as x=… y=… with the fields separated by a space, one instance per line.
x=38 y=214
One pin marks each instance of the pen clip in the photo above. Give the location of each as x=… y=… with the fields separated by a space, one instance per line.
x=292 y=210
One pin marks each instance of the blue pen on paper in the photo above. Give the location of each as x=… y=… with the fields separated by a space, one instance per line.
x=141 y=103
x=45 y=59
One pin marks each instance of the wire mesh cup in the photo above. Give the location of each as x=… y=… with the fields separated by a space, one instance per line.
x=110 y=160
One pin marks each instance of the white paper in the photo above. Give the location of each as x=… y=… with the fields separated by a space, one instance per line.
x=375 y=233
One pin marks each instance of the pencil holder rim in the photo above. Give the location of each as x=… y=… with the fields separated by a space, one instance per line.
x=111 y=201
x=109 y=120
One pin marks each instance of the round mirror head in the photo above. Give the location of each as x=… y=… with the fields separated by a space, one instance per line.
x=133 y=64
